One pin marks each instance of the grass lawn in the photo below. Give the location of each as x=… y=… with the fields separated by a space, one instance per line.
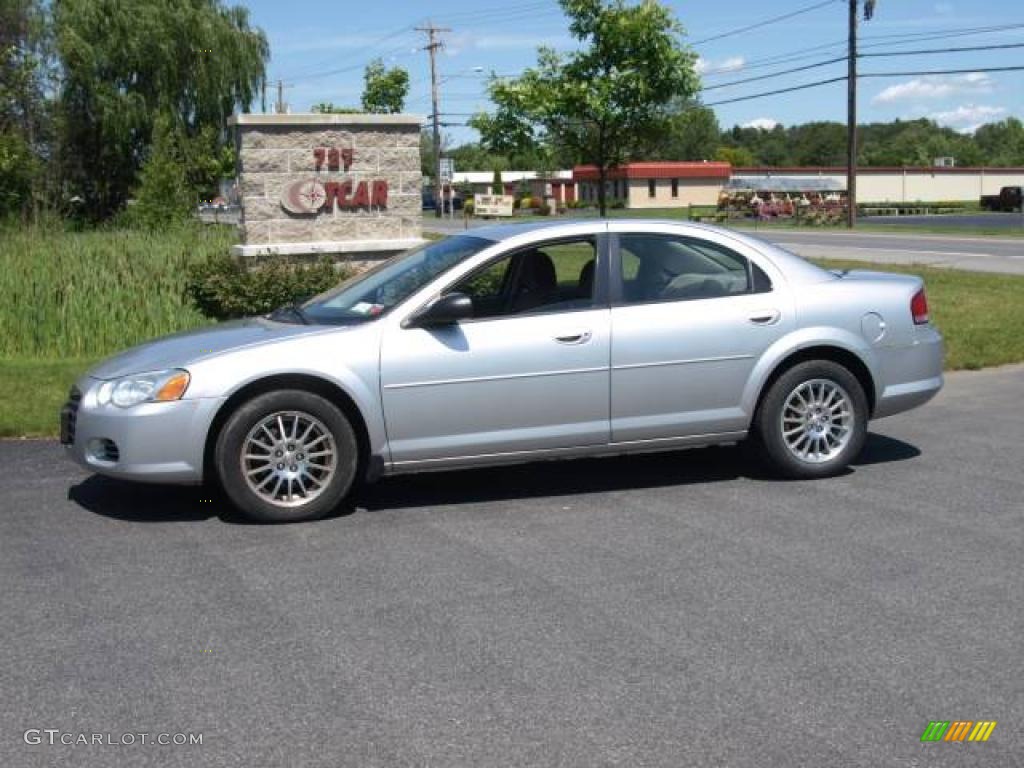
x=981 y=316
x=32 y=392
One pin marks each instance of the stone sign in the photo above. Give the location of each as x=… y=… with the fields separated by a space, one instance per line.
x=324 y=183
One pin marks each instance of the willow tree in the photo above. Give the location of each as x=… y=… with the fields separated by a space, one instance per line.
x=127 y=63
x=599 y=104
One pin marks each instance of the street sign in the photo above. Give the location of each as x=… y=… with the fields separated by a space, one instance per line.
x=493 y=205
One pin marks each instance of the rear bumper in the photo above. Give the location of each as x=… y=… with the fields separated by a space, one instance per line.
x=911 y=375
x=154 y=442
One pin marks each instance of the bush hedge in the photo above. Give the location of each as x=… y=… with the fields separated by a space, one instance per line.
x=221 y=287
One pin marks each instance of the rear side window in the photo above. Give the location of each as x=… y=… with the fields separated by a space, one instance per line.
x=668 y=268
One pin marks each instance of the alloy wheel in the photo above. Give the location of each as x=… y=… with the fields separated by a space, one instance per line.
x=289 y=458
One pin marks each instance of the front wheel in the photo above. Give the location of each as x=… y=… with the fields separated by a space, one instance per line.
x=813 y=420
x=286 y=456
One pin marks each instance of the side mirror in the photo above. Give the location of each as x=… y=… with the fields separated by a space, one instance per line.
x=447 y=310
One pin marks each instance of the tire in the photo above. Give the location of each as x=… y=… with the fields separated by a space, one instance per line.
x=829 y=437
x=286 y=456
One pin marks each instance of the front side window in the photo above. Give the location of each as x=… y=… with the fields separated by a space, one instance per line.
x=550 y=277
x=371 y=294
x=668 y=268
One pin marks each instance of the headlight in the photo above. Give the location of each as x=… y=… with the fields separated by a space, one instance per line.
x=153 y=387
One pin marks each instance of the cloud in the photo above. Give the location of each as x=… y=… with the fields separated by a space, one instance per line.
x=967 y=118
x=934 y=88
x=764 y=123
x=731 y=64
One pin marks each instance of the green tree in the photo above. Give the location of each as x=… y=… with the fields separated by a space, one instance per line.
x=738 y=157
x=164 y=193
x=18 y=169
x=473 y=157
x=1001 y=143
x=601 y=103
x=819 y=143
x=128 y=62
x=690 y=132
x=384 y=90
x=26 y=75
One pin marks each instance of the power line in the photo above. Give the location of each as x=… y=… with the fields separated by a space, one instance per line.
x=906 y=36
x=486 y=13
x=921 y=52
x=864 y=74
x=781 y=90
x=970 y=71
x=763 y=23
x=771 y=61
x=308 y=74
x=774 y=74
x=350 y=67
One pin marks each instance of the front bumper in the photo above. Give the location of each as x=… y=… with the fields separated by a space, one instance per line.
x=151 y=442
x=910 y=375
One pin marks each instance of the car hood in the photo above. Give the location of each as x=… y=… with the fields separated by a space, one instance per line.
x=180 y=349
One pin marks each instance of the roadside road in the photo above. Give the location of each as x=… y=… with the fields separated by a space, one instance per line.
x=977 y=254
x=980 y=254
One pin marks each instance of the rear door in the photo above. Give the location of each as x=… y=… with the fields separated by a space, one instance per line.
x=690 y=318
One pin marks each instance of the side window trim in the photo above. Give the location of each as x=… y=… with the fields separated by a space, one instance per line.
x=616 y=288
x=600 y=297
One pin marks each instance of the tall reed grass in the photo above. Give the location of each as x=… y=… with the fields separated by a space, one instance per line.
x=86 y=294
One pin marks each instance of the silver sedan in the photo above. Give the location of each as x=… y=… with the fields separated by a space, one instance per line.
x=517 y=343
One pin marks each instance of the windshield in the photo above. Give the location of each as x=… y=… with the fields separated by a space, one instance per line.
x=369 y=295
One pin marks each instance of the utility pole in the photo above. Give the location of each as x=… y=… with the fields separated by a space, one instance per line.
x=851 y=113
x=433 y=46
x=851 y=123
x=280 y=97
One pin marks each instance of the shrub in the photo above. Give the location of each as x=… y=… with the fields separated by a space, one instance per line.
x=18 y=168
x=163 y=196
x=527 y=202
x=468 y=207
x=223 y=287
x=544 y=209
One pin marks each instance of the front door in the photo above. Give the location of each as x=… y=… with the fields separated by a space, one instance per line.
x=529 y=372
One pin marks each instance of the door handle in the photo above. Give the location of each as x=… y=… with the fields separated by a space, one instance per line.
x=579 y=337
x=765 y=317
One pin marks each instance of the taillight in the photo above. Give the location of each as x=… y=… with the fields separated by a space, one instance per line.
x=919 y=308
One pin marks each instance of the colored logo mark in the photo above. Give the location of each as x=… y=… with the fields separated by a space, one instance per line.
x=958 y=730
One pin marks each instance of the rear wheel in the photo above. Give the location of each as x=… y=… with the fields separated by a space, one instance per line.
x=287 y=456
x=812 y=421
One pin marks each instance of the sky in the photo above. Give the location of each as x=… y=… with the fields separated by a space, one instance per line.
x=319 y=51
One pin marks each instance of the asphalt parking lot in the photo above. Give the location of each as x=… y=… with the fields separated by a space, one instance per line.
x=664 y=610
